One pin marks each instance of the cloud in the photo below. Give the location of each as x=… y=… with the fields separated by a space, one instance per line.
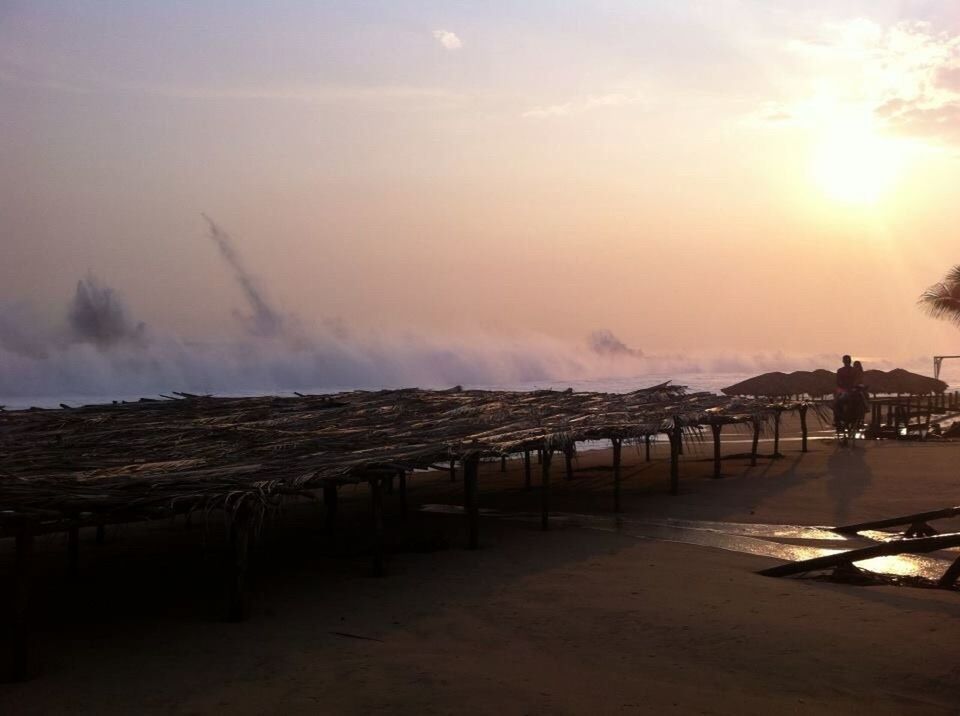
x=448 y=39
x=588 y=104
x=906 y=76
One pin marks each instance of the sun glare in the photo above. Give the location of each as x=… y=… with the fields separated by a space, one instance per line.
x=853 y=165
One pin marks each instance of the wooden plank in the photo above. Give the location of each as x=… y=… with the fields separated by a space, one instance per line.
x=546 y=459
x=919 y=545
x=471 y=468
x=900 y=520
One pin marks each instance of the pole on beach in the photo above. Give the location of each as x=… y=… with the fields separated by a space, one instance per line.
x=526 y=469
x=568 y=459
x=503 y=463
x=617 y=444
x=776 y=433
x=716 y=428
x=73 y=551
x=547 y=454
x=803 y=427
x=646 y=441
x=21 y=607
x=676 y=438
x=376 y=516
x=453 y=471
x=402 y=479
x=330 y=499
x=237 y=559
x=756 y=440
x=471 y=507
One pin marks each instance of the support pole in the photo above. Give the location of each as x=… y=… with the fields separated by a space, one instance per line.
x=330 y=502
x=646 y=440
x=503 y=463
x=676 y=438
x=716 y=428
x=21 y=607
x=526 y=470
x=617 y=445
x=471 y=507
x=803 y=428
x=73 y=551
x=453 y=471
x=776 y=434
x=237 y=566
x=568 y=460
x=376 y=515
x=402 y=479
x=756 y=441
x=547 y=455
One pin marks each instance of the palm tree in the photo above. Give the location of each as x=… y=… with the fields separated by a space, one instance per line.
x=942 y=299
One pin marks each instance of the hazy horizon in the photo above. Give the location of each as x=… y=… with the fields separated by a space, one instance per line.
x=732 y=183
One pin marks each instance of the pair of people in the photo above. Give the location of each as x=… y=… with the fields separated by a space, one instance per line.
x=849 y=380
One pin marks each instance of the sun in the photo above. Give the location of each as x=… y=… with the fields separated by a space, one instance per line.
x=852 y=164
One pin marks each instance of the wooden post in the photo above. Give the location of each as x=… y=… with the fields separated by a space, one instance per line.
x=540 y=456
x=526 y=469
x=803 y=428
x=676 y=438
x=776 y=434
x=21 y=607
x=547 y=455
x=453 y=471
x=756 y=440
x=950 y=577
x=617 y=444
x=568 y=460
x=471 y=507
x=716 y=428
x=376 y=515
x=73 y=550
x=237 y=566
x=503 y=463
x=646 y=440
x=402 y=475
x=330 y=500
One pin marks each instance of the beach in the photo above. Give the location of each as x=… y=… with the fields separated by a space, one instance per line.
x=569 y=620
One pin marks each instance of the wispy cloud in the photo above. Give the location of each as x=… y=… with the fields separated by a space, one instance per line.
x=448 y=39
x=319 y=94
x=588 y=104
x=906 y=76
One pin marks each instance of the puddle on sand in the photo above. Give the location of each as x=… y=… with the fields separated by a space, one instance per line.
x=746 y=538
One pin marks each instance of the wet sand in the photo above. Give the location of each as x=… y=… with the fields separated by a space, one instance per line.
x=572 y=620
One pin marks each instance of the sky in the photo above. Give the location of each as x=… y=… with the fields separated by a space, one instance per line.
x=716 y=176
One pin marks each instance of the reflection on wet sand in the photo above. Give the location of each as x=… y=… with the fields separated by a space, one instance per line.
x=763 y=540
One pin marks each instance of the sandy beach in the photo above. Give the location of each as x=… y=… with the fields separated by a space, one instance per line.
x=571 y=620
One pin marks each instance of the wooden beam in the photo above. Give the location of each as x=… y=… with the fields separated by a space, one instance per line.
x=402 y=478
x=900 y=520
x=526 y=469
x=331 y=500
x=453 y=471
x=547 y=457
x=21 y=664
x=471 y=507
x=919 y=545
x=756 y=441
x=803 y=428
x=568 y=460
x=617 y=444
x=676 y=438
x=716 y=428
x=503 y=463
x=776 y=434
x=376 y=517
x=237 y=558
x=646 y=441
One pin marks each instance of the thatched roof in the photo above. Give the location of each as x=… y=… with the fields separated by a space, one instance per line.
x=823 y=382
x=138 y=460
